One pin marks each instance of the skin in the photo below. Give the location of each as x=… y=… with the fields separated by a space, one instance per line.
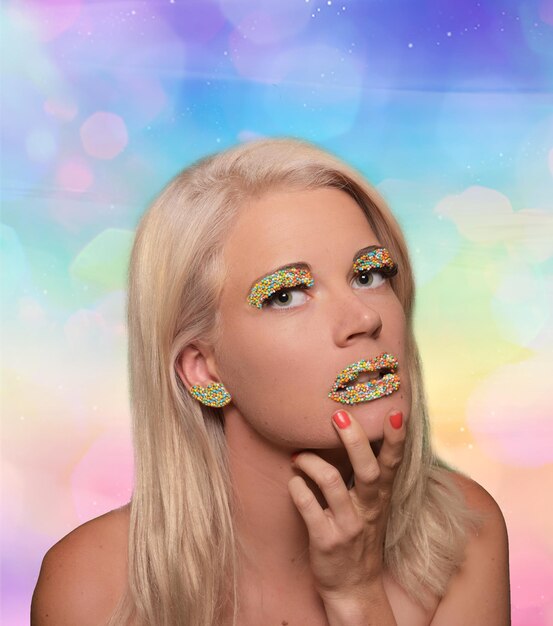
x=290 y=358
x=278 y=365
x=310 y=548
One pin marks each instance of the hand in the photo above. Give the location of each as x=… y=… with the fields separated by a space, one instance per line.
x=346 y=540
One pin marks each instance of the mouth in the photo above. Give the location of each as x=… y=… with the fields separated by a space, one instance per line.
x=364 y=381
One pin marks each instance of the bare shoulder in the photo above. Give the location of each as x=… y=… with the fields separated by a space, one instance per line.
x=479 y=593
x=83 y=574
x=478 y=498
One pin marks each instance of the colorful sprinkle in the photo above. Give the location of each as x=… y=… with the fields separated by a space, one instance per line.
x=214 y=394
x=269 y=285
x=379 y=258
x=294 y=277
x=365 y=392
x=371 y=390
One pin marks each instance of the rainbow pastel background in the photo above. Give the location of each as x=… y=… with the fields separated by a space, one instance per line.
x=446 y=107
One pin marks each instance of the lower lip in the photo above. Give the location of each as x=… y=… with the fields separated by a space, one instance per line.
x=365 y=392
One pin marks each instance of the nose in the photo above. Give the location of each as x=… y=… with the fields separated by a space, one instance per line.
x=355 y=317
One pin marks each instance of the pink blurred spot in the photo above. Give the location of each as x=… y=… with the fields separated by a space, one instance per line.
x=60 y=109
x=52 y=17
x=509 y=413
x=104 y=135
x=102 y=479
x=531 y=573
x=74 y=175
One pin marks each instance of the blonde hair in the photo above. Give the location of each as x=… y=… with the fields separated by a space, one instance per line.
x=182 y=550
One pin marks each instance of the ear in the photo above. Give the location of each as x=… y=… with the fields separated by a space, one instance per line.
x=195 y=365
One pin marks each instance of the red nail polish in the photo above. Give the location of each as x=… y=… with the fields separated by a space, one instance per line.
x=341 y=419
x=396 y=419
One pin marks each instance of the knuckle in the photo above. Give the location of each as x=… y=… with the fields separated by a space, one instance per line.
x=356 y=443
x=331 y=477
x=305 y=500
x=368 y=474
x=355 y=529
x=328 y=545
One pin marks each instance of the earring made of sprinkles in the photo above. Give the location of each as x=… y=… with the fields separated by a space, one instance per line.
x=213 y=394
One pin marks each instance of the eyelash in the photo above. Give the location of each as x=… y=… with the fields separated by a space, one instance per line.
x=275 y=295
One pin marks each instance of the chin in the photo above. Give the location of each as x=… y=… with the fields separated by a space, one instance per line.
x=371 y=415
x=374 y=433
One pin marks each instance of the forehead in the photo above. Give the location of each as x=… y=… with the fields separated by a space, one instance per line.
x=282 y=227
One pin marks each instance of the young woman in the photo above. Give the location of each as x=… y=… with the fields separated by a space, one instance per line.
x=284 y=472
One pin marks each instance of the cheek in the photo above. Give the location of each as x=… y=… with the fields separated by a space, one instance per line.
x=279 y=380
x=279 y=386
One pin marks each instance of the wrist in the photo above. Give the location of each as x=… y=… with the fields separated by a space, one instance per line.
x=368 y=606
x=347 y=612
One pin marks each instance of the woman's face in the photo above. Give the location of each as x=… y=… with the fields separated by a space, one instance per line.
x=280 y=361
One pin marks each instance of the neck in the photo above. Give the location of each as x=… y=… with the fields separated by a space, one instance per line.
x=271 y=533
x=275 y=577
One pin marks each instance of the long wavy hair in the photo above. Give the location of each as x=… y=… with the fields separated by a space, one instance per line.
x=182 y=550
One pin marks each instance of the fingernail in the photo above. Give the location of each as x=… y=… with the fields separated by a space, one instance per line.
x=341 y=419
x=396 y=419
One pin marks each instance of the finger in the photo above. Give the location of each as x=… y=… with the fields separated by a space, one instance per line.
x=308 y=507
x=331 y=484
x=366 y=469
x=391 y=453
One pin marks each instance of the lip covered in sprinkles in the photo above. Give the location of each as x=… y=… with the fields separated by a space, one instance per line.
x=367 y=391
x=283 y=278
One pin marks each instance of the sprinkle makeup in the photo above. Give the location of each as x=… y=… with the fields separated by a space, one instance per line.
x=279 y=280
x=379 y=258
x=298 y=274
x=381 y=370
x=383 y=380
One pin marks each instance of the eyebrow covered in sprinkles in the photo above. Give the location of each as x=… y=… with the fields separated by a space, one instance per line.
x=379 y=258
x=289 y=277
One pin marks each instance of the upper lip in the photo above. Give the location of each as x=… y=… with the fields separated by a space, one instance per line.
x=383 y=361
